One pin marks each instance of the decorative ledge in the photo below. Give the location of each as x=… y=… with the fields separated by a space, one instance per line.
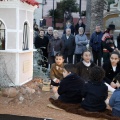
x=15 y=51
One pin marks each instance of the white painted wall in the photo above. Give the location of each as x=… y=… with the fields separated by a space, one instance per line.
x=17 y=14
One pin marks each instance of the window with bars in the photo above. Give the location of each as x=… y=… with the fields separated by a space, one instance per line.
x=25 y=36
x=2 y=36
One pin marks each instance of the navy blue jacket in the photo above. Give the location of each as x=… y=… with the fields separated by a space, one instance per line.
x=70 y=89
x=96 y=41
x=95 y=94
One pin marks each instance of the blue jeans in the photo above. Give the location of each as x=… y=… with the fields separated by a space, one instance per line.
x=115 y=112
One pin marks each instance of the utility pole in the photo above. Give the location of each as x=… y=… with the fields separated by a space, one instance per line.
x=53 y=16
x=80 y=8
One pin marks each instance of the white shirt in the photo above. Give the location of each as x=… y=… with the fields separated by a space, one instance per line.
x=114 y=68
x=67 y=37
x=86 y=64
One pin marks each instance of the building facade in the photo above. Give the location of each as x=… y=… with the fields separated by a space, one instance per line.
x=16 y=38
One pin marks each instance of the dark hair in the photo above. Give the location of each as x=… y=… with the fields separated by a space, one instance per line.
x=97 y=73
x=117 y=78
x=115 y=52
x=107 y=30
x=41 y=29
x=59 y=55
x=85 y=51
x=70 y=68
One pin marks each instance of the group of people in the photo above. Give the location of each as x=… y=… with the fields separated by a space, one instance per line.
x=68 y=44
x=74 y=42
x=86 y=81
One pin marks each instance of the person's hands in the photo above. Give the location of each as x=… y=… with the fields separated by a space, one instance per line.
x=116 y=49
x=57 y=81
x=113 y=85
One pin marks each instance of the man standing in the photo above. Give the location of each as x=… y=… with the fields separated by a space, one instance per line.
x=96 y=44
x=69 y=45
x=49 y=33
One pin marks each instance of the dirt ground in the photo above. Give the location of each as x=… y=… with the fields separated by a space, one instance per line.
x=36 y=106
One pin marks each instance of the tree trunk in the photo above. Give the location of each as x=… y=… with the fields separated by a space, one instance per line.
x=97 y=8
x=88 y=16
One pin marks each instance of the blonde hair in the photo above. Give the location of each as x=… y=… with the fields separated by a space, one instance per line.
x=55 y=31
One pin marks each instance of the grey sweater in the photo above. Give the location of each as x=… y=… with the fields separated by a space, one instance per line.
x=81 y=41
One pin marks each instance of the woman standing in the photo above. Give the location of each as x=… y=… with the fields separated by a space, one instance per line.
x=107 y=44
x=81 y=41
x=55 y=45
x=78 y=25
x=41 y=42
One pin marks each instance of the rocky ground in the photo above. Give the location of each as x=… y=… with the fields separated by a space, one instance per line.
x=30 y=100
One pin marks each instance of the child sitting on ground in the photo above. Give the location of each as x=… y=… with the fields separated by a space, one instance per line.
x=56 y=72
x=112 y=68
x=85 y=65
x=114 y=101
x=95 y=92
x=69 y=90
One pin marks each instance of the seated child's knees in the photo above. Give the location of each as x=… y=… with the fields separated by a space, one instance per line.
x=54 y=89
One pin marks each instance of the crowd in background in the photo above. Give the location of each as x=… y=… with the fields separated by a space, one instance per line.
x=83 y=79
x=74 y=42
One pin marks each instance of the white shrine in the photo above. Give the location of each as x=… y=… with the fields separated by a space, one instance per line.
x=16 y=40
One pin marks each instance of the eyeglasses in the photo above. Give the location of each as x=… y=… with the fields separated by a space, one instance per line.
x=50 y=30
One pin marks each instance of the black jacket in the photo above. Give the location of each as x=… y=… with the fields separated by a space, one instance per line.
x=69 y=44
x=39 y=42
x=95 y=94
x=109 y=73
x=83 y=71
x=118 y=42
x=77 y=27
x=70 y=89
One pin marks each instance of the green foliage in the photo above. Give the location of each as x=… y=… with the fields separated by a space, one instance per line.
x=69 y=4
x=110 y=2
x=56 y=13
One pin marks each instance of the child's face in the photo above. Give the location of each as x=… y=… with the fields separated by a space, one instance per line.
x=114 y=59
x=65 y=73
x=86 y=56
x=59 y=60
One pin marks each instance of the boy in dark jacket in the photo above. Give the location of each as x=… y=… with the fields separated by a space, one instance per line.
x=95 y=92
x=70 y=87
